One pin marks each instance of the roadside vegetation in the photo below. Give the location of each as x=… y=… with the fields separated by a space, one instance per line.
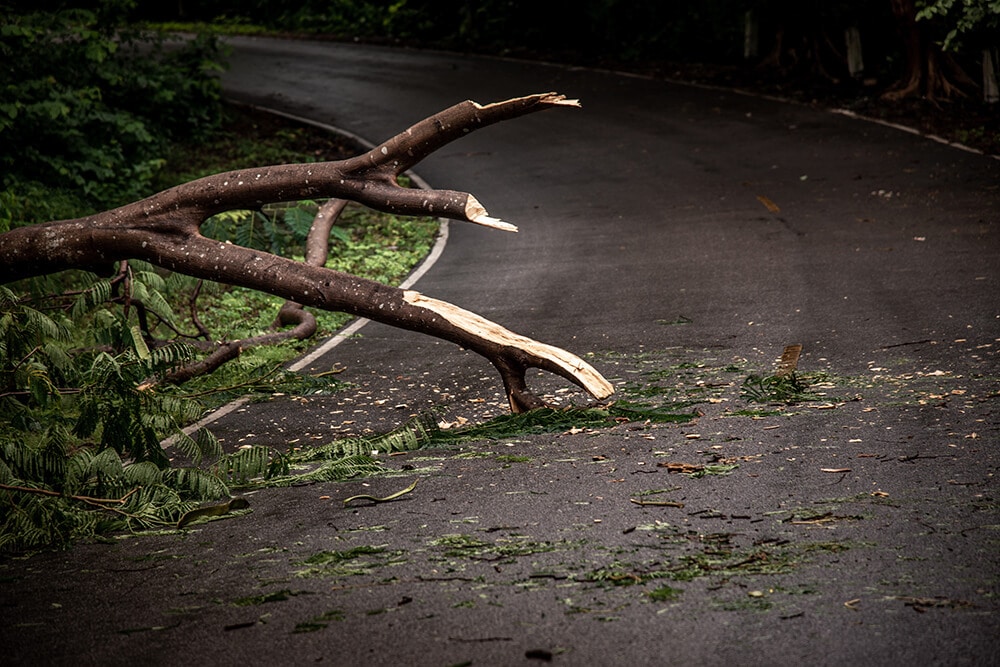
x=83 y=406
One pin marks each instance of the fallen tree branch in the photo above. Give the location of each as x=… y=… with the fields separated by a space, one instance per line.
x=164 y=230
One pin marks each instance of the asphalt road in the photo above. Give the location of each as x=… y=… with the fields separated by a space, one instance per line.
x=680 y=238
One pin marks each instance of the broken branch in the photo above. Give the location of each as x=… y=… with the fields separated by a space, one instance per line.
x=164 y=230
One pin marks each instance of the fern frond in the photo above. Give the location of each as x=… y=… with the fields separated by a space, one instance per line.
x=299 y=221
x=153 y=507
x=41 y=326
x=197 y=484
x=142 y=473
x=99 y=292
x=408 y=437
x=208 y=444
x=171 y=354
x=144 y=273
x=6 y=474
x=138 y=343
x=244 y=465
x=334 y=470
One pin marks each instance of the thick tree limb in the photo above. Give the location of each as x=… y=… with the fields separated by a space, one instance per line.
x=291 y=313
x=164 y=230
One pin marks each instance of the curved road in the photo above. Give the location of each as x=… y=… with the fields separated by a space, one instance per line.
x=645 y=206
x=684 y=236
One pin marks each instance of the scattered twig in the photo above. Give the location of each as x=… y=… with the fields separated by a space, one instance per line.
x=914 y=457
x=914 y=342
x=656 y=503
x=86 y=499
x=106 y=504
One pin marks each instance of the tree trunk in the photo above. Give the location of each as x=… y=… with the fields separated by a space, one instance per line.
x=991 y=93
x=164 y=230
x=925 y=74
x=855 y=57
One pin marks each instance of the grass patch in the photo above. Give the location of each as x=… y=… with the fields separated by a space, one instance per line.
x=349 y=562
x=791 y=388
x=373 y=245
x=512 y=458
x=664 y=594
x=276 y=596
x=466 y=546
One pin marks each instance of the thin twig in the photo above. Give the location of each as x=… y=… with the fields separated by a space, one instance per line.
x=86 y=499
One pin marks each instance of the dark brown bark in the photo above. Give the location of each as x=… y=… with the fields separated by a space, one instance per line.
x=291 y=313
x=164 y=230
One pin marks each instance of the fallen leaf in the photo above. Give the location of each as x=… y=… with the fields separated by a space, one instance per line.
x=768 y=204
x=383 y=500
x=220 y=509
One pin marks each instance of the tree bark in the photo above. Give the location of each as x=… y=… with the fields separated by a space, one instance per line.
x=164 y=230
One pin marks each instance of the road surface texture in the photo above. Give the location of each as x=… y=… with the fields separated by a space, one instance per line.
x=679 y=238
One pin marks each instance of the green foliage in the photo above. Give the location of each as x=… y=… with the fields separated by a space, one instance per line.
x=81 y=420
x=89 y=111
x=88 y=107
x=354 y=457
x=965 y=20
x=790 y=388
x=80 y=429
x=280 y=230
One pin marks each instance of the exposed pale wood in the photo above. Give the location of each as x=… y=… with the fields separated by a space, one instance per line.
x=789 y=360
x=574 y=368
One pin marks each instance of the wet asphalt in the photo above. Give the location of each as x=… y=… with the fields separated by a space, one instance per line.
x=677 y=237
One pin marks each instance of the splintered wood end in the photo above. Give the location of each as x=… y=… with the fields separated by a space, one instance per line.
x=479 y=327
x=475 y=212
x=552 y=99
x=561 y=100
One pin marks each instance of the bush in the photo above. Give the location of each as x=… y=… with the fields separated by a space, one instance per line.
x=88 y=107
